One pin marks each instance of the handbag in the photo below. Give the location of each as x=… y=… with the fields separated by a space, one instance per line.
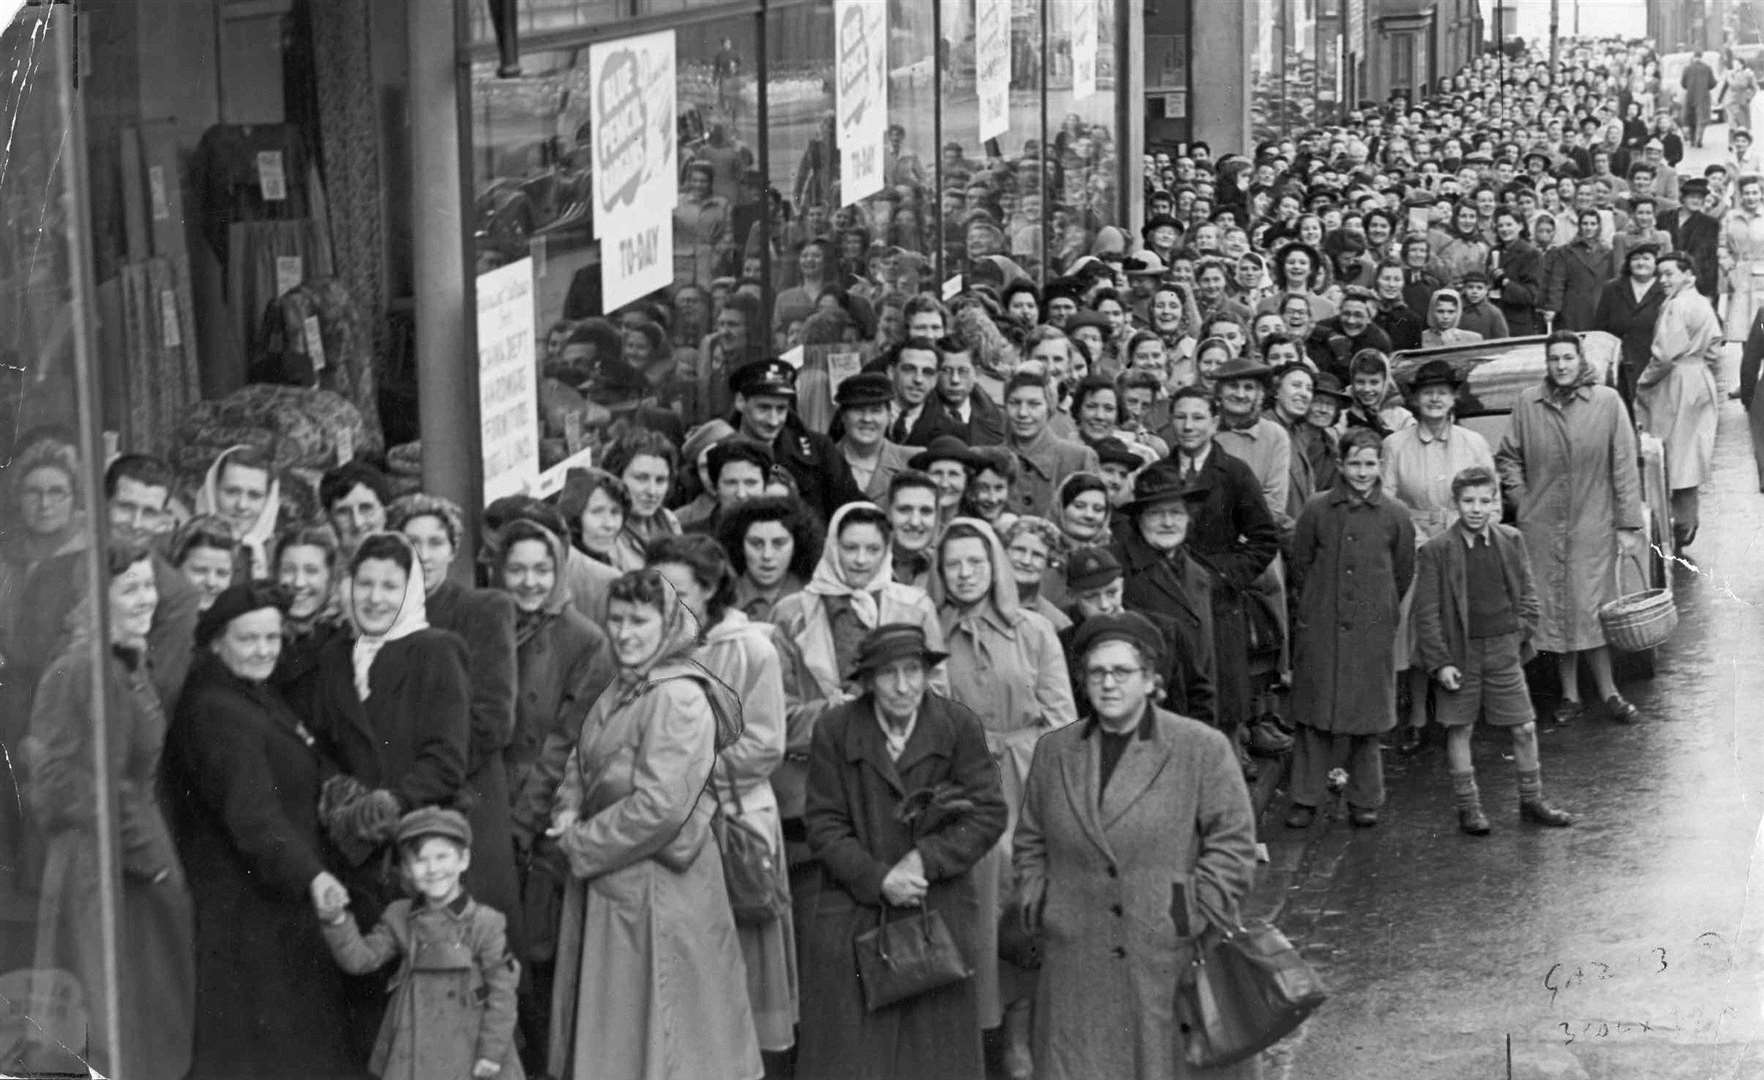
x=758 y=893
x=1246 y=989
x=902 y=959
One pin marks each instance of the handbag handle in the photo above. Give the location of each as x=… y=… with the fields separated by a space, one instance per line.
x=734 y=792
x=882 y=939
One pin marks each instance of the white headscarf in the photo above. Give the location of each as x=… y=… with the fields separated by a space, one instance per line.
x=256 y=539
x=412 y=616
x=829 y=578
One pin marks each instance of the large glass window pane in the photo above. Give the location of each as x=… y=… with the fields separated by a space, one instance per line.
x=61 y=932
x=1299 y=64
x=531 y=159
x=1081 y=132
x=1267 y=84
x=912 y=149
x=824 y=243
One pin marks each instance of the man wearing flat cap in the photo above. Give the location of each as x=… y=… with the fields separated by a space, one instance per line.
x=765 y=400
x=904 y=799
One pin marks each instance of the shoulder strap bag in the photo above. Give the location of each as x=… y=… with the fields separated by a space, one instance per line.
x=1246 y=989
x=758 y=890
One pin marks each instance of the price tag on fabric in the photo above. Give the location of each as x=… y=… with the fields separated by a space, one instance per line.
x=841 y=366
x=272 y=181
x=290 y=273
x=169 y=330
x=345 y=446
x=156 y=192
x=315 y=343
x=573 y=431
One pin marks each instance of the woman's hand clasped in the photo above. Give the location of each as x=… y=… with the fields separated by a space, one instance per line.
x=905 y=885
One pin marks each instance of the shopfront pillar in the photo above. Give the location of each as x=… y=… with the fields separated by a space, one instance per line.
x=447 y=407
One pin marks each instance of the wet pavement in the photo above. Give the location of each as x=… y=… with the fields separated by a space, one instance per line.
x=1628 y=946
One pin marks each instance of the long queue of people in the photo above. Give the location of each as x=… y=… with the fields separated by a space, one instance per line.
x=970 y=631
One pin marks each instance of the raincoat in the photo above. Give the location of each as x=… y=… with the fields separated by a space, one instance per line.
x=740 y=652
x=1006 y=664
x=1678 y=393
x=1569 y=461
x=1101 y=866
x=1741 y=254
x=650 y=983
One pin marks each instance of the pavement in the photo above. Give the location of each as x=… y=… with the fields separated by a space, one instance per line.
x=1628 y=946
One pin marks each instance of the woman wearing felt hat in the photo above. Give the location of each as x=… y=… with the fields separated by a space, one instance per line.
x=1419 y=463
x=1131 y=818
x=903 y=801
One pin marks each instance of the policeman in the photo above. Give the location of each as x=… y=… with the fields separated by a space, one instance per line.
x=765 y=393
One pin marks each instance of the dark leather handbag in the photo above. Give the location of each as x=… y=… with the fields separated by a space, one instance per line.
x=1246 y=989
x=759 y=890
x=907 y=957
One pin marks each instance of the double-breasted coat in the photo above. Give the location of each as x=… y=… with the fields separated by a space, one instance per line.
x=854 y=791
x=1678 y=393
x=1353 y=558
x=1044 y=463
x=649 y=984
x=1102 y=867
x=1176 y=594
x=243 y=776
x=1568 y=461
x=1519 y=266
x=1631 y=319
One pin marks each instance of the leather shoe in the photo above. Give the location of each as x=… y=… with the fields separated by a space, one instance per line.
x=1411 y=739
x=1539 y=812
x=1300 y=816
x=1267 y=740
x=1473 y=822
x=1567 y=712
x=1621 y=711
x=1363 y=817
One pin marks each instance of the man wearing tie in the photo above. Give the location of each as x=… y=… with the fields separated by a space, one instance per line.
x=919 y=414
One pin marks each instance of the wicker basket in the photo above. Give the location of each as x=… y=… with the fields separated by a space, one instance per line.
x=1640 y=621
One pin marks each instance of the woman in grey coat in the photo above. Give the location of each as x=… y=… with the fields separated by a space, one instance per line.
x=1133 y=823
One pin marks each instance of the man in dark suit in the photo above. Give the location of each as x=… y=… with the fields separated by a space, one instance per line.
x=978 y=420
x=919 y=416
x=1698 y=82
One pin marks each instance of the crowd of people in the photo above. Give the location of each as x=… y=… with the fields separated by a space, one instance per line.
x=988 y=626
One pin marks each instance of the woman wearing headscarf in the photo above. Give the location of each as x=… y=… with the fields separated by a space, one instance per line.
x=241 y=488
x=903 y=802
x=152 y=974
x=1568 y=461
x=1133 y=825
x=741 y=653
x=243 y=774
x=1007 y=666
x=1443 y=313
x=649 y=983
x=392 y=707
x=484 y=619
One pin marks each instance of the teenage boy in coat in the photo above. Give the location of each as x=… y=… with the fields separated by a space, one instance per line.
x=1475 y=610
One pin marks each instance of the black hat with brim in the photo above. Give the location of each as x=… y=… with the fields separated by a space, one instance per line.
x=1162 y=483
x=944 y=448
x=1435 y=373
x=773 y=377
x=890 y=642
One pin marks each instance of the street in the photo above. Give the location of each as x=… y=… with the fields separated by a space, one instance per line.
x=1628 y=946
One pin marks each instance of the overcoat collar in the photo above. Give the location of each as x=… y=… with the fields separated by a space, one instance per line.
x=1143 y=762
x=932 y=736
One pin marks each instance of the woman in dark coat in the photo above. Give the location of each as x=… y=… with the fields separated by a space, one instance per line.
x=243 y=777
x=392 y=709
x=1515 y=267
x=1628 y=307
x=154 y=980
x=304 y=564
x=484 y=620
x=868 y=757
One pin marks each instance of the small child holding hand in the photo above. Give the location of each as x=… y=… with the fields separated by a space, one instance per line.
x=452 y=1011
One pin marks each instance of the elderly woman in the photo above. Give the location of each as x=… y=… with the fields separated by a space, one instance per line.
x=903 y=802
x=1569 y=462
x=1005 y=664
x=484 y=619
x=243 y=775
x=649 y=972
x=1136 y=829
x=645 y=462
x=1419 y=463
x=151 y=974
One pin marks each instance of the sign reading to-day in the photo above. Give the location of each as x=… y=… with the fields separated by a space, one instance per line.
x=1083 y=49
x=636 y=186
x=992 y=65
x=508 y=379
x=862 y=103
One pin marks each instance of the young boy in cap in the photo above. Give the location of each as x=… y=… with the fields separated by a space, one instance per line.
x=452 y=1006
x=1474 y=612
